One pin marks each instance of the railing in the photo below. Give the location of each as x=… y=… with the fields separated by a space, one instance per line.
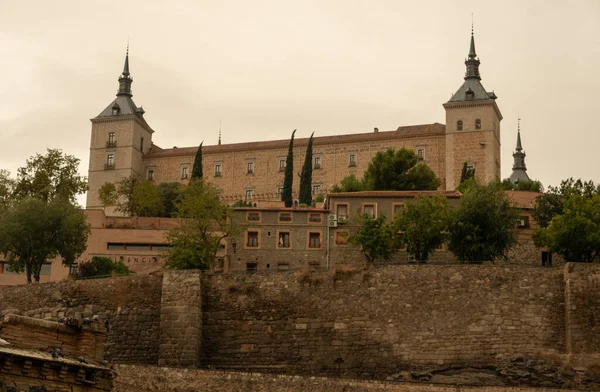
x=110 y=144
x=109 y=166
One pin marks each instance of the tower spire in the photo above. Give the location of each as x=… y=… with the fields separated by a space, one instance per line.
x=125 y=79
x=519 y=172
x=472 y=62
x=219 y=132
x=519 y=148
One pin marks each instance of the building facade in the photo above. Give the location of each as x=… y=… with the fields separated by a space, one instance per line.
x=121 y=145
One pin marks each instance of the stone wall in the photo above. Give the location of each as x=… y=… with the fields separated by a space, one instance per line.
x=181 y=319
x=582 y=300
x=136 y=378
x=375 y=323
x=131 y=304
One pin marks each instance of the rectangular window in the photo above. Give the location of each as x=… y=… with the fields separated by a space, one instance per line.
x=546 y=259
x=398 y=208
x=421 y=153
x=112 y=140
x=184 y=173
x=46 y=269
x=285 y=217
x=314 y=240
x=315 y=218
x=115 y=246
x=317 y=164
x=523 y=222
x=253 y=216
x=252 y=241
x=218 y=168
x=352 y=160
x=342 y=211
x=249 y=194
x=251 y=267
x=150 y=175
x=316 y=189
x=250 y=168
x=282 y=165
x=369 y=209
x=142 y=145
x=280 y=191
x=283 y=266
x=137 y=247
x=110 y=161
x=284 y=240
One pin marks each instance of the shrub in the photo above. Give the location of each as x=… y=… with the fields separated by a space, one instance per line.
x=102 y=266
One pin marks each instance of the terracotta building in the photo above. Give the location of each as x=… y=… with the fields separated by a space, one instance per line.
x=121 y=145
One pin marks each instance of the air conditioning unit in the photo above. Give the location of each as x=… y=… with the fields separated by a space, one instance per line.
x=332 y=220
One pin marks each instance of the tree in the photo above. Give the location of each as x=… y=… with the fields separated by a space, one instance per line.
x=527 y=186
x=146 y=198
x=50 y=176
x=33 y=232
x=306 y=176
x=132 y=196
x=377 y=240
x=107 y=194
x=7 y=188
x=399 y=170
x=552 y=202
x=482 y=227
x=575 y=233
x=423 y=224
x=286 y=195
x=169 y=193
x=466 y=173
x=102 y=266
x=348 y=184
x=207 y=222
x=197 y=168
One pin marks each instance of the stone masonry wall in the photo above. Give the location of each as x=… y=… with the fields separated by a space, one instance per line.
x=131 y=304
x=181 y=319
x=375 y=323
x=582 y=297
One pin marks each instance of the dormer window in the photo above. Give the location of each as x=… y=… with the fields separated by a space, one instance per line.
x=478 y=124
x=459 y=125
x=469 y=94
x=116 y=109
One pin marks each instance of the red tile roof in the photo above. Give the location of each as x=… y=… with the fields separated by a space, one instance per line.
x=389 y=194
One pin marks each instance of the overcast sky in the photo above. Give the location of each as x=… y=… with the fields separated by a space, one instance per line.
x=264 y=68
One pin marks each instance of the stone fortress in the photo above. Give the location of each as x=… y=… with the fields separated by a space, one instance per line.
x=121 y=145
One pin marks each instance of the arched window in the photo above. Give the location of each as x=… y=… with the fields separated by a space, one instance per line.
x=478 y=124
x=459 y=125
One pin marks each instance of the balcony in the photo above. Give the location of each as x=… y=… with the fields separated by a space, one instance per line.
x=111 y=144
x=109 y=166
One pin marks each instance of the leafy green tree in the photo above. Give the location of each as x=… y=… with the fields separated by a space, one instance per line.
x=423 y=224
x=207 y=222
x=376 y=238
x=399 y=170
x=50 y=176
x=146 y=198
x=551 y=203
x=482 y=227
x=107 y=194
x=288 y=179
x=33 y=232
x=466 y=173
x=527 y=186
x=306 y=176
x=197 y=168
x=102 y=266
x=575 y=232
x=169 y=193
x=7 y=188
x=348 y=184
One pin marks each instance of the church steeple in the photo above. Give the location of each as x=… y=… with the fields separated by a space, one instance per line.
x=125 y=79
x=472 y=62
x=519 y=172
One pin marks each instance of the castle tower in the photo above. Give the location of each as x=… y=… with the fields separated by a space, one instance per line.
x=472 y=127
x=120 y=138
x=519 y=172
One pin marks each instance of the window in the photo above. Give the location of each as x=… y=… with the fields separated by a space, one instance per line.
x=285 y=217
x=316 y=189
x=252 y=239
x=280 y=191
x=249 y=194
x=315 y=218
x=184 y=173
x=523 y=222
x=250 y=168
x=284 y=240
x=283 y=266
x=478 y=124
x=281 y=165
x=251 y=267
x=546 y=259
x=459 y=125
x=352 y=160
x=369 y=209
x=142 y=144
x=150 y=175
x=342 y=211
x=115 y=246
x=421 y=153
x=137 y=247
x=341 y=237
x=314 y=240
x=112 y=140
x=253 y=216
x=218 y=168
x=398 y=208
x=110 y=162
x=317 y=164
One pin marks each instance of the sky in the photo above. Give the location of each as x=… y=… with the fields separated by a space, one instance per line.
x=260 y=69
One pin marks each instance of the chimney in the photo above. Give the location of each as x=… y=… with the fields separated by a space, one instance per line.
x=376 y=130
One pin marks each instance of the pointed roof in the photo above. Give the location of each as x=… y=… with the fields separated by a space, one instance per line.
x=519 y=148
x=519 y=172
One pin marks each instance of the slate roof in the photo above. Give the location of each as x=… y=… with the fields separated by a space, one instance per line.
x=126 y=106
x=474 y=85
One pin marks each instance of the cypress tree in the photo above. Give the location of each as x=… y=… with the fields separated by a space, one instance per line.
x=306 y=176
x=197 y=169
x=286 y=196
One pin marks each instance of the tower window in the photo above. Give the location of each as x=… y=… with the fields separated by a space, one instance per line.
x=421 y=153
x=184 y=173
x=112 y=140
x=317 y=164
x=142 y=145
x=249 y=194
x=281 y=165
x=250 y=168
x=352 y=160
x=459 y=125
x=478 y=124
x=150 y=174
x=218 y=168
x=110 y=162
x=316 y=189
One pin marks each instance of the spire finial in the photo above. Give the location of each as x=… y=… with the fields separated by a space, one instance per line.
x=472 y=62
x=219 y=132
x=125 y=79
x=519 y=147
